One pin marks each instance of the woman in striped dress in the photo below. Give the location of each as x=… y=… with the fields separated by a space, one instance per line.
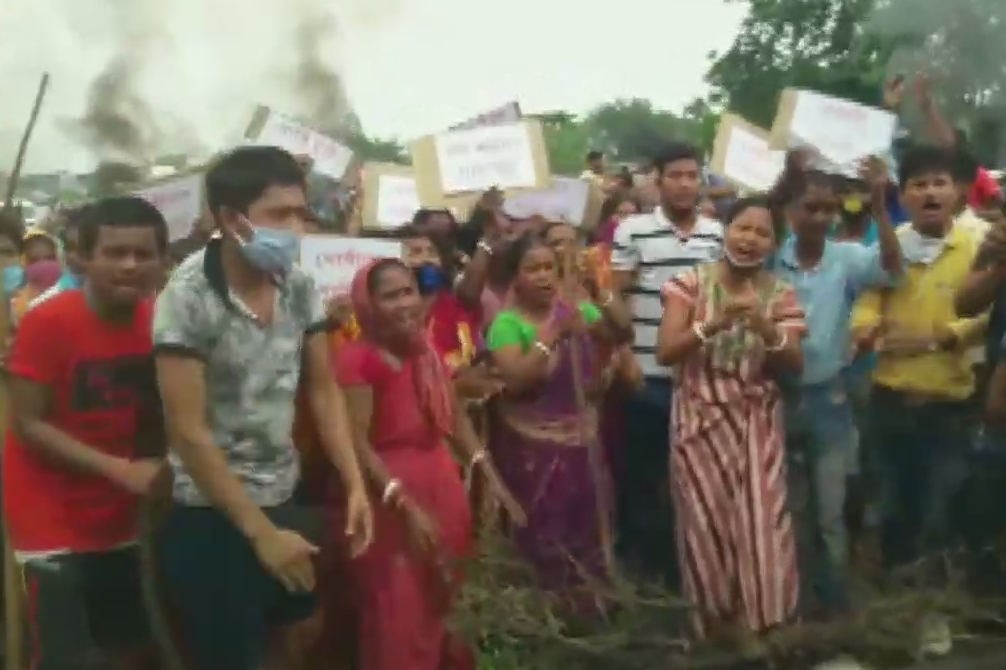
x=729 y=328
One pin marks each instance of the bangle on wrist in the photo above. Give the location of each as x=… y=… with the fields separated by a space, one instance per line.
x=780 y=344
x=484 y=246
x=390 y=496
x=543 y=348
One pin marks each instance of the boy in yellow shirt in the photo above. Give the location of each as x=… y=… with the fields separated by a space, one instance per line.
x=917 y=414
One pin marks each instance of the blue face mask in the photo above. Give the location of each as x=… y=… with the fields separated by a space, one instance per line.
x=431 y=278
x=13 y=278
x=270 y=250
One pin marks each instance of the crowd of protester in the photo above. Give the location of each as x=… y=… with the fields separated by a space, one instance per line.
x=736 y=398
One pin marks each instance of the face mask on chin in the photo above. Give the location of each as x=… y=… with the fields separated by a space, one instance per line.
x=269 y=250
x=739 y=264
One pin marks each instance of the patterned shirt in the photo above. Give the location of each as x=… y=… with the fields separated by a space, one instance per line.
x=252 y=370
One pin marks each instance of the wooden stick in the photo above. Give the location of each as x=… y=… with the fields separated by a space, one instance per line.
x=22 y=150
x=12 y=582
x=592 y=442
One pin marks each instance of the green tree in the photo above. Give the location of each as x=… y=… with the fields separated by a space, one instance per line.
x=568 y=142
x=703 y=117
x=847 y=48
x=631 y=130
x=817 y=44
x=377 y=149
x=959 y=43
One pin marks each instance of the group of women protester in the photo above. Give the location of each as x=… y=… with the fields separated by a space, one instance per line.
x=534 y=334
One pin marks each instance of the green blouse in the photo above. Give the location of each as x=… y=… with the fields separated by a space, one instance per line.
x=510 y=328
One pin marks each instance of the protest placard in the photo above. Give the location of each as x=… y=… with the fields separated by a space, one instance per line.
x=333 y=261
x=180 y=201
x=390 y=198
x=269 y=127
x=742 y=156
x=841 y=131
x=508 y=113
x=565 y=199
x=452 y=165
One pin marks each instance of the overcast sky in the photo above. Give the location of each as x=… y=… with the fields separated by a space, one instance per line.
x=410 y=66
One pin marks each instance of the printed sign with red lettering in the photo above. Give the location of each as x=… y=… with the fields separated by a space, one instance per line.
x=333 y=261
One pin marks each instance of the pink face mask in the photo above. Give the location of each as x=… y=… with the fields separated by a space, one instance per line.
x=43 y=274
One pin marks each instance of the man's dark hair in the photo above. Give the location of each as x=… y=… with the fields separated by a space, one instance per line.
x=594 y=155
x=674 y=152
x=242 y=175
x=424 y=214
x=923 y=159
x=127 y=211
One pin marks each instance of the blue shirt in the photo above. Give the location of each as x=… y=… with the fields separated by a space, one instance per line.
x=826 y=293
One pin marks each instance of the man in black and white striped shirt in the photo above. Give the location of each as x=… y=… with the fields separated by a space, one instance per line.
x=649 y=249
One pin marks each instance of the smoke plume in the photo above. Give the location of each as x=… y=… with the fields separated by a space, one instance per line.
x=320 y=92
x=117 y=122
x=134 y=80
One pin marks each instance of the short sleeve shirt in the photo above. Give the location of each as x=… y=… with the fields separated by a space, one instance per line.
x=510 y=328
x=252 y=370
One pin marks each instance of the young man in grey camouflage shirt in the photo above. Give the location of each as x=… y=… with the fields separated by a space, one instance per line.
x=231 y=330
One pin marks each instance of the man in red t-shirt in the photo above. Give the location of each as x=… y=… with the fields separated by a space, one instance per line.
x=85 y=442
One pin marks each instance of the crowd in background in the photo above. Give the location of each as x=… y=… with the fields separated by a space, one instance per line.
x=737 y=394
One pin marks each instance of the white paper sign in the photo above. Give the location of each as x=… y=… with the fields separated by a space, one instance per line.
x=508 y=113
x=332 y=262
x=565 y=200
x=749 y=160
x=180 y=202
x=330 y=157
x=842 y=131
x=479 y=158
x=397 y=200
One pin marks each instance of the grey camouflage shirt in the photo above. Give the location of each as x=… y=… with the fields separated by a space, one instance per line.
x=252 y=371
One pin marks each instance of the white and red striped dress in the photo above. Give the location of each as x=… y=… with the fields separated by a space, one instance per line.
x=728 y=473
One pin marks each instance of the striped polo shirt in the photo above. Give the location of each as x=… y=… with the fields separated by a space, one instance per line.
x=652 y=245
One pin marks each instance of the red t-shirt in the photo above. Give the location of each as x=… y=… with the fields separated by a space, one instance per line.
x=104 y=392
x=984 y=191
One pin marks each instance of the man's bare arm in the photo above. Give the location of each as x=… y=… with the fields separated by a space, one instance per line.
x=30 y=403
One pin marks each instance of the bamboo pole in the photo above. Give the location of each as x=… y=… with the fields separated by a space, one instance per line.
x=12 y=583
x=22 y=150
x=590 y=433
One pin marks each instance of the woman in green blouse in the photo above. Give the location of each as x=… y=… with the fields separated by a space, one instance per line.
x=556 y=361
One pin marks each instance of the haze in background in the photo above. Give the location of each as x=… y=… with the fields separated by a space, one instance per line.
x=132 y=78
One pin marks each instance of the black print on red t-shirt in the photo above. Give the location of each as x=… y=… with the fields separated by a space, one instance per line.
x=112 y=383
x=122 y=384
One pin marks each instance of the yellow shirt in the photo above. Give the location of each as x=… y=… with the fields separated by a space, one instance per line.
x=922 y=301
